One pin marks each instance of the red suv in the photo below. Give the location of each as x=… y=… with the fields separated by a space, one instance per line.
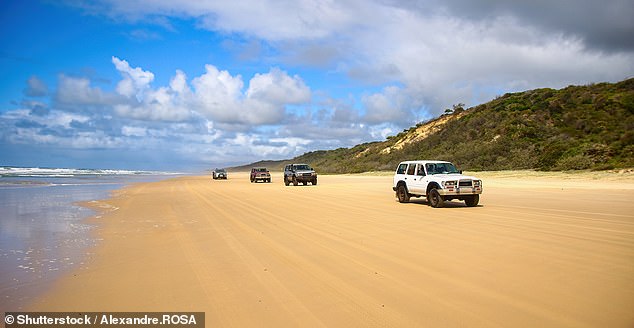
x=260 y=173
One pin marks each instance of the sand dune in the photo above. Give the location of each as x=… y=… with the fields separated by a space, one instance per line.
x=345 y=253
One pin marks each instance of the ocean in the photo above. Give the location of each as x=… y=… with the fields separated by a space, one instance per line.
x=42 y=228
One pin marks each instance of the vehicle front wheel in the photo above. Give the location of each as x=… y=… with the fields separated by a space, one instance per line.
x=435 y=199
x=295 y=183
x=286 y=183
x=401 y=194
x=472 y=201
x=314 y=181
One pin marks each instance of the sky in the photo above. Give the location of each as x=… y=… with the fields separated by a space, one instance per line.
x=190 y=85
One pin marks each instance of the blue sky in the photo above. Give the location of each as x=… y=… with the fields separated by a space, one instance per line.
x=189 y=85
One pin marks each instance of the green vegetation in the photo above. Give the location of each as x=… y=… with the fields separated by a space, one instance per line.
x=578 y=127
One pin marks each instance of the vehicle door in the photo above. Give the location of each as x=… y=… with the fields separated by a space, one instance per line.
x=400 y=173
x=416 y=179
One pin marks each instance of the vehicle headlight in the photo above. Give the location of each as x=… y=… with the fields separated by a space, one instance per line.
x=477 y=183
x=450 y=183
x=313 y=173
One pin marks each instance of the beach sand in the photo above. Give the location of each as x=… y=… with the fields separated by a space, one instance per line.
x=539 y=251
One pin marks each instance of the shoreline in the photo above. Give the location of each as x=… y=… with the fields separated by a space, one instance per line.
x=224 y=248
x=45 y=236
x=48 y=229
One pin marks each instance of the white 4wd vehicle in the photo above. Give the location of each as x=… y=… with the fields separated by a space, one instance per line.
x=438 y=181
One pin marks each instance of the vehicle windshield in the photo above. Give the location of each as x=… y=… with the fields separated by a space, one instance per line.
x=302 y=167
x=261 y=169
x=440 y=168
x=220 y=171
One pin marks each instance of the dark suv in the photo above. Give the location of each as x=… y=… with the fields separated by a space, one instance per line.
x=297 y=173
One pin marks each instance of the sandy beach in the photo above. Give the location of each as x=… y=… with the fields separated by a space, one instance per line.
x=539 y=251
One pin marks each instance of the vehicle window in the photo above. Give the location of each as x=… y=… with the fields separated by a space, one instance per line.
x=302 y=167
x=441 y=168
x=420 y=169
x=401 y=169
x=431 y=169
x=410 y=169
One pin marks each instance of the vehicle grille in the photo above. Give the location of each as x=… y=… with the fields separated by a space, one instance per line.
x=465 y=183
x=306 y=174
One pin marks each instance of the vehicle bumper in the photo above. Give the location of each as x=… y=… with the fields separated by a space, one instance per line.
x=262 y=177
x=461 y=191
x=306 y=178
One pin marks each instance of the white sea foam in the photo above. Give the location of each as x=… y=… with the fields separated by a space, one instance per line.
x=8 y=171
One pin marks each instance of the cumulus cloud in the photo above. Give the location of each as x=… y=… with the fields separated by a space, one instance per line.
x=135 y=80
x=216 y=95
x=168 y=103
x=220 y=96
x=277 y=87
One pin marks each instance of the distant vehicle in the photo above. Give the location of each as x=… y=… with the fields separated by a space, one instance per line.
x=219 y=174
x=260 y=173
x=297 y=173
x=438 y=181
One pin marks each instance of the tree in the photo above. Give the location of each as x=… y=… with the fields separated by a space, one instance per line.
x=458 y=108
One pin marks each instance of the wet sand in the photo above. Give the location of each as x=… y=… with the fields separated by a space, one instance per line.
x=550 y=253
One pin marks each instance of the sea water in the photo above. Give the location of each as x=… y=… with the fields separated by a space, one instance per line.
x=43 y=233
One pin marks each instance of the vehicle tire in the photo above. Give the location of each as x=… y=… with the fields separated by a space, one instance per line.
x=252 y=180
x=305 y=183
x=314 y=181
x=472 y=201
x=268 y=180
x=295 y=183
x=286 y=183
x=401 y=194
x=435 y=199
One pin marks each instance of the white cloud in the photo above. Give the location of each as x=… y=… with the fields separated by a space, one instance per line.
x=163 y=104
x=157 y=105
x=390 y=105
x=135 y=80
x=274 y=20
x=219 y=96
x=215 y=95
x=277 y=87
x=78 y=92
x=56 y=128
x=134 y=131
